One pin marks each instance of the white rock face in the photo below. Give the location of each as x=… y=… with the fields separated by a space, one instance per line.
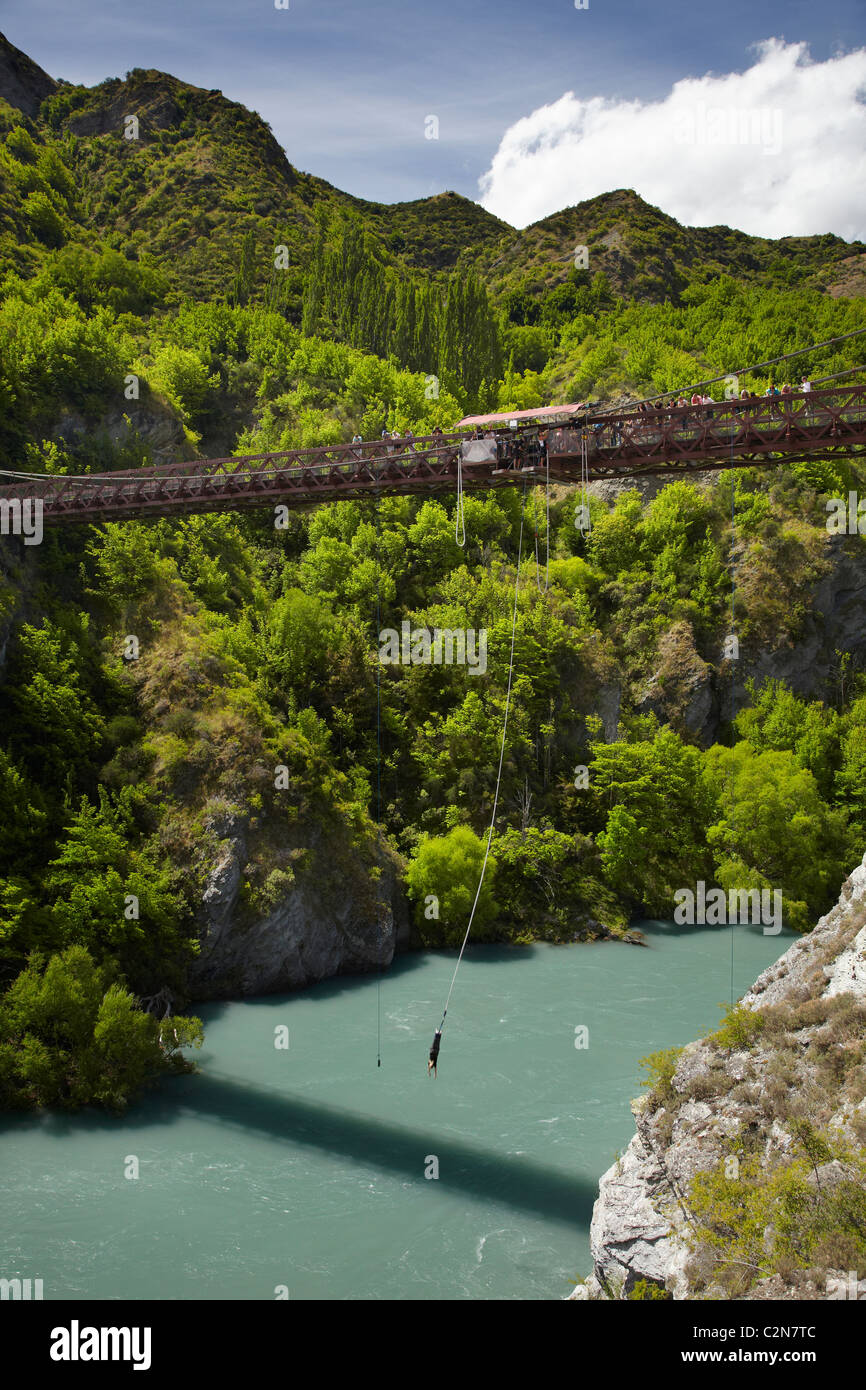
x=641 y=1217
x=844 y=965
x=847 y=974
x=631 y=1236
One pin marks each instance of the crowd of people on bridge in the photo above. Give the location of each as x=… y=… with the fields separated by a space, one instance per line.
x=393 y=442
x=681 y=402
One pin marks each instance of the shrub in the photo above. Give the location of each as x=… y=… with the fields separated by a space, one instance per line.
x=660 y=1068
x=739 y=1029
x=447 y=868
x=44 y=219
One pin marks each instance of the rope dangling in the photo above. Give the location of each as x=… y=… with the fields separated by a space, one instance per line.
x=547 y=518
x=501 y=761
x=535 y=526
x=586 y=522
x=459 y=517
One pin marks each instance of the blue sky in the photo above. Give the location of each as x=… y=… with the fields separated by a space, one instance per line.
x=346 y=84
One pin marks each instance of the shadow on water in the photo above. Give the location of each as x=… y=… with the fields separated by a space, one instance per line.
x=331 y=988
x=339 y=985
x=671 y=931
x=482 y=1174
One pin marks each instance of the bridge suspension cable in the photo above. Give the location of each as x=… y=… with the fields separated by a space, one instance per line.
x=755 y=367
x=834 y=376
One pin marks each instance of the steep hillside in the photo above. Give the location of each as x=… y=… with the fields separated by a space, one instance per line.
x=435 y=233
x=649 y=255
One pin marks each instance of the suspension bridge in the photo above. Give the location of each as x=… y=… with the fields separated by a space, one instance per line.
x=569 y=444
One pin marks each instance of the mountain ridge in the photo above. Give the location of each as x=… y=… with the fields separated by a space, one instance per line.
x=218 y=162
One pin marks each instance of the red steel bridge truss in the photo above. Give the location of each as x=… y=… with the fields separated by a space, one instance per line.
x=615 y=444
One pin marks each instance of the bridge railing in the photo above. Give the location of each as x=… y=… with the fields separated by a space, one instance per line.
x=317 y=460
x=807 y=412
x=371 y=459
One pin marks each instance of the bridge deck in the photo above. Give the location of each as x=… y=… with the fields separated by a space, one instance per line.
x=619 y=444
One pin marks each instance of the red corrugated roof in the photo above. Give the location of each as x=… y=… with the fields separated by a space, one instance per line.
x=540 y=413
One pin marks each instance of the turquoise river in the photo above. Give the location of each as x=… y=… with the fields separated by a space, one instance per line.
x=302 y=1169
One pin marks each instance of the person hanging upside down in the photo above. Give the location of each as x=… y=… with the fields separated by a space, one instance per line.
x=434 y=1052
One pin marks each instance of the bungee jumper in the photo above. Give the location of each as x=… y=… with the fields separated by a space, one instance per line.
x=434 y=1051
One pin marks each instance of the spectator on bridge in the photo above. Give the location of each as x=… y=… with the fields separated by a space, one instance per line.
x=805 y=384
x=410 y=439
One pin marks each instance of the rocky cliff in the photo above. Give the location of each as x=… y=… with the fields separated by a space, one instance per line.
x=328 y=915
x=690 y=689
x=761 y=1125
x=22 y=82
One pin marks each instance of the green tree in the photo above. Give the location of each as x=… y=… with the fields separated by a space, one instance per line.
x=72 y=1035
x=447 y=869
x=772 y=829
x=656 y=810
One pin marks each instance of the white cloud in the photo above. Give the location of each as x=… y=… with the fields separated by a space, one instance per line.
x=779 y=150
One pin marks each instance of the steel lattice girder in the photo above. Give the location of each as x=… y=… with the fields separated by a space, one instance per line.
x=678 y=441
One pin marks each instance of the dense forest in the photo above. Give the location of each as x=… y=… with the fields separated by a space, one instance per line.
x=187 y=293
